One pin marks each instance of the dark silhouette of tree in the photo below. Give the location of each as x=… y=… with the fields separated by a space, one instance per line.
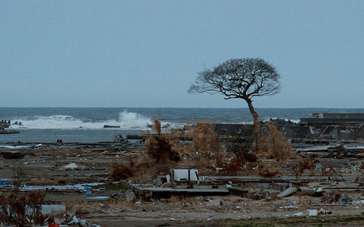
x=240 y=79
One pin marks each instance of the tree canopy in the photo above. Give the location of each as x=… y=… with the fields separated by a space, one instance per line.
x=239 y=78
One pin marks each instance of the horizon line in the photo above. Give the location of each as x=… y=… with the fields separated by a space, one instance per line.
x=170 y=107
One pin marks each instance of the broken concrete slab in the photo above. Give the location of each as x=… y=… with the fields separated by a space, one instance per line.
x=288 y=192
x=316 y=191
x=53 y=209
x=130 y=196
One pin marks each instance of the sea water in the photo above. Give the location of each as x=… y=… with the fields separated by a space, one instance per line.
x=87 y=124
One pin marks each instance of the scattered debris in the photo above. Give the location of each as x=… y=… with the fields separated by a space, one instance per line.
x=75 y=187
x=203 y=168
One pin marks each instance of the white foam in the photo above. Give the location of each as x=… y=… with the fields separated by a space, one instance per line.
x=131 y=120
x=126 y=120
x=296 y=121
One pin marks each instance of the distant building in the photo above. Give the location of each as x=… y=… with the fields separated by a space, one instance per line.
x=334 y=119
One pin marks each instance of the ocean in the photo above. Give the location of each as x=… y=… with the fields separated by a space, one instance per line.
x=87 y=124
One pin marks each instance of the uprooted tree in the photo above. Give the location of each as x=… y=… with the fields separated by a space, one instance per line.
x=244 y=79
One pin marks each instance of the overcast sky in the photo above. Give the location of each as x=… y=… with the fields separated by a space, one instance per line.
x=147 y=53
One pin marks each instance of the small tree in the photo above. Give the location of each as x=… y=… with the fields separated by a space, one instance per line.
x=240 y=79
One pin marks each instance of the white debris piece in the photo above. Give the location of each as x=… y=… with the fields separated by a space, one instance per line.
x=185 y=174
x=312 y=212
x=297 y=214
x=74 y=221
x=71 y=166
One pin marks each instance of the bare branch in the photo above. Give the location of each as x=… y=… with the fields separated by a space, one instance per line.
x=239 y=78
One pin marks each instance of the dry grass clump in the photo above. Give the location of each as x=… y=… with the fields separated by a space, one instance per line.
x=157 y=126
x=274 y=145
x=121 y=172
x=133 y=169
x=161 y=148
x=268 y=169
x=165 y=151
x=148 y=163
x=206 y=146
x=233 y=165
x=205 y=139
x=304 y=164
x=15 y=207
x=231 y=159
x=162 y=152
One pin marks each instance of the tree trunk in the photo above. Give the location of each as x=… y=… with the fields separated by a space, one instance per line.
x=256 y=123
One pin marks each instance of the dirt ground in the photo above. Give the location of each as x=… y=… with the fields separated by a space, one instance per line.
x=45 y=165
x=215 y=211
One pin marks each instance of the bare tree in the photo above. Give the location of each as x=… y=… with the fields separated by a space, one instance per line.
x=240 y=79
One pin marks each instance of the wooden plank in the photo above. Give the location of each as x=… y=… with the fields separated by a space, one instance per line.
x=259 y=179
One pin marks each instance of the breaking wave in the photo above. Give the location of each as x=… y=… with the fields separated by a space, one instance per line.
x=126 y=121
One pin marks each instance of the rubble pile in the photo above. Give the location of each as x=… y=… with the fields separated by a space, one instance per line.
x=203 y=174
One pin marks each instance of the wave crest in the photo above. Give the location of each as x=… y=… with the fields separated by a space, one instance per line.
x=126 y=121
